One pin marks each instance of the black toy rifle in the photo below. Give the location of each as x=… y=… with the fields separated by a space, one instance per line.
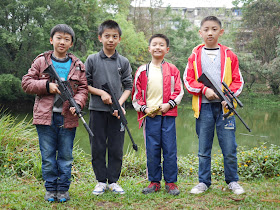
x=227 y=95
x=67 y=94
x=116 y=106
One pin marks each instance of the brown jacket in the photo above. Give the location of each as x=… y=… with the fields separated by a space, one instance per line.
x=34 y=82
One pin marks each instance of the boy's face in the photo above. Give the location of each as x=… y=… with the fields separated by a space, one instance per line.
x=61 y=43
x=110 y=39
x=210 y=31
x=158 y=48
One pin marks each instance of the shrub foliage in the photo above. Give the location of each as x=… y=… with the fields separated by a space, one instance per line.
x=20 y=156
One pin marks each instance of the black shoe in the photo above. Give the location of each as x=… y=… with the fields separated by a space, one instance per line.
x=63 y=196
x=50 y=196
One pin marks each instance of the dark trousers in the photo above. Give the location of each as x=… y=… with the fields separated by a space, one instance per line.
x=108 y=133
x=160 y=135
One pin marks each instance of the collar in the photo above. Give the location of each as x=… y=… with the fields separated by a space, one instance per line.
x=103 y=55
x=60 y=60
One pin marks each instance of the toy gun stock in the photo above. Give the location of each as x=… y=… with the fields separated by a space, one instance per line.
x=116 y=106
x=67 y=94
x=227 y=95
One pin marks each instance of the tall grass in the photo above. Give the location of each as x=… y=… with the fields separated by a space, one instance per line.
x=20 y=156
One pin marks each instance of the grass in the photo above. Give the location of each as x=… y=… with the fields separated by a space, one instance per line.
x=22 y=187
x=24 y=193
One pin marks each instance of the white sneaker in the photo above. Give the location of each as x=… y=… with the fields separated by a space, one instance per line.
x=115 y=188
x=200 y=188
x=99 y=188
x=236 y=188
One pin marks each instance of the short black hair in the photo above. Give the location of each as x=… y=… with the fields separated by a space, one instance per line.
x=109 y=24
x=212 y=18
x=160 y=36
x=63 y=28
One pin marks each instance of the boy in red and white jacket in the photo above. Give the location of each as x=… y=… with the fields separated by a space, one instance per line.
x=158 y=85
x=222 y=64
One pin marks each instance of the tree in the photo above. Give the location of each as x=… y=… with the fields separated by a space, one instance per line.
x=133 y=44
x=261 y=21
x=183 y=38
x=149 y=20
x=271 y=71
x=25 y=27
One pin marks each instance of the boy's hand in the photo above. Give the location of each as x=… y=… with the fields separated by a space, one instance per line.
x=53 y=88
x=116 y=113
x=210 y=94
x=164 y=107
x=148 y=110
x=224 y=104
x=73 y=111
x=106 y=98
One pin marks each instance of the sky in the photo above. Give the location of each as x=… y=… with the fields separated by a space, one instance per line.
x=188 y=3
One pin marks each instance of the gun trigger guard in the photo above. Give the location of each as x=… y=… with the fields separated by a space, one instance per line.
x=227 y=114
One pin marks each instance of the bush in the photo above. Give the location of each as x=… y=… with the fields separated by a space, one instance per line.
x=259 y=162
x=10 y=87
x=20 y=155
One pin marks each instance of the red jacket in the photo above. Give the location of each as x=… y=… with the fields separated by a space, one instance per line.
x=230 y=74
x=172 y=89
x=34 y=82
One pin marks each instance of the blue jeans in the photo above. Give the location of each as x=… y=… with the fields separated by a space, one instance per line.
x=56 y=145
x=211 y=116
x=160 y=134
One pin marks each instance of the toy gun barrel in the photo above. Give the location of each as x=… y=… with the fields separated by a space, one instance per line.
x=232 y=94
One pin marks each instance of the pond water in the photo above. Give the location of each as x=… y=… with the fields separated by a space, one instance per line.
x=264 y=123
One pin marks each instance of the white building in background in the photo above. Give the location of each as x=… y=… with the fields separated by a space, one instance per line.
x=196 y=10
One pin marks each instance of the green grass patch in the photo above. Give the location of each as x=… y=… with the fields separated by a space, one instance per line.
x=22 y=187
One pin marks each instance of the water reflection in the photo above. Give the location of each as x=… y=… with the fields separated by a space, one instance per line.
x=263 y=123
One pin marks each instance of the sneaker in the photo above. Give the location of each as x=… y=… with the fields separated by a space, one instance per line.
x=115 y=188
x=236 y=188
x=63 y=196
x=172 y=188
x=99 y=188
x=200 y=188
x=50 y=196
x=153 y=187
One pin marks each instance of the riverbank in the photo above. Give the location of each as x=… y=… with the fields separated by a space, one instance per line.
x=22 y=187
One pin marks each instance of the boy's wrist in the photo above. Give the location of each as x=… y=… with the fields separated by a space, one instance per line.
x=204 y=90
x=142 y=109
x=172 y=103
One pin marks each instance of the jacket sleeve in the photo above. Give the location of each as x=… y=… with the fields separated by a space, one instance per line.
x=176 y=88
x=34 y=82
x=190 y=78
x=126 y=76
x=237 y=80
x=88 y=66
x=82 y=90
x=138 y=101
